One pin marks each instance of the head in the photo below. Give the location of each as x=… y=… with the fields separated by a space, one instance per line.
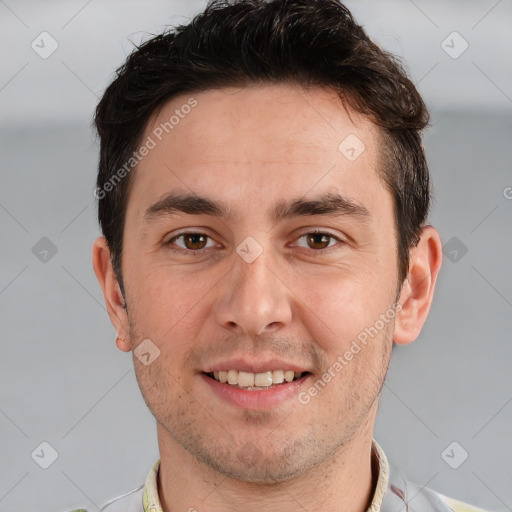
x=251 y=128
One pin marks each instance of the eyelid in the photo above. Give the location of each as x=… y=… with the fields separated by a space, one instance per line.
x=298 y=236
x=189 y=232
x=322 y=231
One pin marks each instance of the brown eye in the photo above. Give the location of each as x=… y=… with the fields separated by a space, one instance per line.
x=318 y=240
x=192 y=242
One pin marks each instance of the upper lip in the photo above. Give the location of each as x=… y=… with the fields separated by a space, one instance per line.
x=260 y=366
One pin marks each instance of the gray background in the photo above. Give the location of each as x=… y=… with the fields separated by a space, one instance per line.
x=63 y=381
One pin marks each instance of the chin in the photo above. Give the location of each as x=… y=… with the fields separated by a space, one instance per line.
x=263 y=473
x=248 y=463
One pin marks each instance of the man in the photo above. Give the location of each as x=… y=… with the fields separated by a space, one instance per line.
x=263 y=196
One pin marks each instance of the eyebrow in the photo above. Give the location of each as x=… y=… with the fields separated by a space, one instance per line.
x=330 y=204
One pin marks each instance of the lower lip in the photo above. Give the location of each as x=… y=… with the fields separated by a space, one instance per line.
x=256 y=400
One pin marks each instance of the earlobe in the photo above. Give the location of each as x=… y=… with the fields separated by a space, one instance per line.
x=123 y=344
x=114 y=299
x=418 y=290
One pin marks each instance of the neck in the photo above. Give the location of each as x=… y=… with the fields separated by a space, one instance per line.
x=344 y=481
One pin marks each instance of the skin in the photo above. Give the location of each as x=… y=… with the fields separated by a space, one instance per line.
x=251 y=147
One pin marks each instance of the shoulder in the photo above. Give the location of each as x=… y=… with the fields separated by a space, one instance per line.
x=426 y=498
x=459 y=506
x=403 y=493
x=128 y=502
x=133 y=501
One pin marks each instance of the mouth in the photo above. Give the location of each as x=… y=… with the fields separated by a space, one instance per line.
x=260 y=381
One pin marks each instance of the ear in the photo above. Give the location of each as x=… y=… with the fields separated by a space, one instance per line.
x=114 y=300
x=418 y=289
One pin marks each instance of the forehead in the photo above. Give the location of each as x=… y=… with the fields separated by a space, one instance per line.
x=257 y=144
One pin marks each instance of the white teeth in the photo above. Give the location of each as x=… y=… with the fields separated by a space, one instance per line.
x=263 y=380
x=277 y=376
x=251 y=380
x=232 y=377
x=289 y=375
x=245 y=379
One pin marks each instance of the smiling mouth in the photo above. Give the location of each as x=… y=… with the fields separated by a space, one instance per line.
x=256 y=381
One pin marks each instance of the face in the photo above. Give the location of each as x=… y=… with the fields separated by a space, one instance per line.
x=270 y=273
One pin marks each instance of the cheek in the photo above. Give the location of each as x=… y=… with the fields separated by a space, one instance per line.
x=165 y=302
x=338 y=306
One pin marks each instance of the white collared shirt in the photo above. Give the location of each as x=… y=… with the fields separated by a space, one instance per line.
x=393 y=493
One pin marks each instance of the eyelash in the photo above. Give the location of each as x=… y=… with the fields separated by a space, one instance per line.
x=202 y=251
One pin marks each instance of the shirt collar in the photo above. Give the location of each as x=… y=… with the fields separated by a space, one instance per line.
x=151 y=501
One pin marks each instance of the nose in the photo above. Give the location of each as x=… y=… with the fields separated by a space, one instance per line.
x=254 y=299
